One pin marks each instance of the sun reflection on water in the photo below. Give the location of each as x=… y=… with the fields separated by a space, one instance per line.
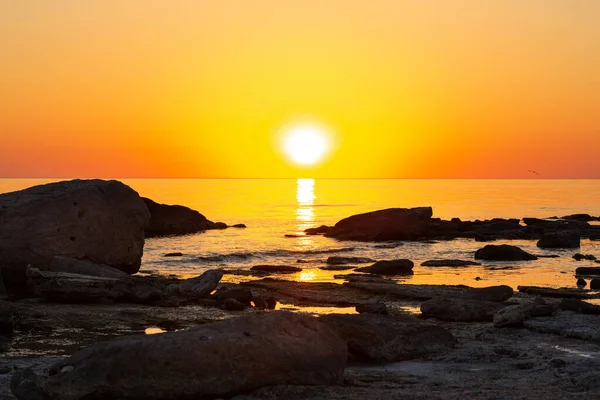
x=305 y=196
x=307 y=276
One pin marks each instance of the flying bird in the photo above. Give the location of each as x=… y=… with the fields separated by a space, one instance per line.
x=533 y=172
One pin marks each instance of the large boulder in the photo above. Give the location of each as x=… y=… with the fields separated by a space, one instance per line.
x=560 y=240
x=213 y=360
x=384 y=225
x=380 y=339
x=170 y=220
x=460 y=309
x=389 y=267
x=503 y=252
x=100 y=221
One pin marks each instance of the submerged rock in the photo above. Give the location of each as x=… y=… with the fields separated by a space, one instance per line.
x=340 y=260
x=168 y=220
x=100 y=221
x=560 y=240
x=503 y=252
x=174 y=254
x=383 y=225
x=391 y=267
x=579 y=257
x=318 y=231
x=448 y=263
x=380 y=339
x=460 y=310
x=213 y=360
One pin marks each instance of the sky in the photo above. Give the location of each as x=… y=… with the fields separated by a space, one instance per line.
x=203 y=88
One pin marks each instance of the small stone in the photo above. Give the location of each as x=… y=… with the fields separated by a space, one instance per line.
x=581 y=283
x=477 y=278
x=175 y=254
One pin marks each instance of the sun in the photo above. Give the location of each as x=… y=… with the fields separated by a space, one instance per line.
x=305 y=145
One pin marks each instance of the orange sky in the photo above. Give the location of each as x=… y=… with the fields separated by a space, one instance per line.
x=197 y=88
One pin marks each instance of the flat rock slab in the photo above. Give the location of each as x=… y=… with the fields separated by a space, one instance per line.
x=340 y=260
x=503 y=252
x=380 y=339
x=460 y=310
x=212 y=360
x=406 y=292
x=559 y=292
x=449 y=263
x=567 y=324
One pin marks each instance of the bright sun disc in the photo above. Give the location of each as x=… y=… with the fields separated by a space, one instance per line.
x=305 y=145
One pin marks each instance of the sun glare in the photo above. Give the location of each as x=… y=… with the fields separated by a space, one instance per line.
x=305 y=145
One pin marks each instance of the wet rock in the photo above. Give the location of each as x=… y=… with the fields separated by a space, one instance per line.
x=515 y=316
x=379 y=339
x=503 y=252
x=595 y=283
x=460 y=310
x=276 y=348
x=579 y=257
x=83 y=267
x=587 y=271
x=169 y=220
x=97 y=220
x=340 y=260
x=581 y=283
x=318 y=231
x=491 y=293
x=384 y=225
x=174 y=254
x=198 y=287
x=377 y=307
x=238 y=293
x=292 y=235
x=279 y=269
x=392 y=267
x=337 y=267
x=579 y=306
x=560 y=240
x=239 y=226
x=7 y=321
x=392 y=290
x=448 y=263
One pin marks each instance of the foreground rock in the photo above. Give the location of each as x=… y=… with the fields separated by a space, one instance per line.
x=100 y=221
x=560 y=240
x=276 y=348
x=169 y=220
x=448 y=263
x=83 y=267
x=460 y=310
x=579 y=306
x=384 y=225
x=382 y=339
x=391 y=267
x=515 y=316
x=503 y=252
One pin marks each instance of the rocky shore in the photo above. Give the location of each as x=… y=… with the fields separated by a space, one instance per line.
x=77 y=323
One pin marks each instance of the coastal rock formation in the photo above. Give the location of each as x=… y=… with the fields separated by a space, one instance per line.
x=389 y=267
x=587 y=271
x=448 y=263
x=560 y=240
x=503 y=252
x=379 y=339
x=213 y=360
x=515 y=316
x=498 y=293
x=384 y=225
x=340 y=260
x=460 y=310
x=169 y=220
x=276 y=269
x=96 y=220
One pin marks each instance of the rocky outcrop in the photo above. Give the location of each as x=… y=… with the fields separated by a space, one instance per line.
x=379 y=339
x=170 y=220
x=96 y=220
x=587 y=271
x=340 y=260
x=384 y=225
x=276 y=269
x=213 y=360
x=389 y=267
x=448 y=263
x=460 y=310
x=560 y=240
x=503 y=252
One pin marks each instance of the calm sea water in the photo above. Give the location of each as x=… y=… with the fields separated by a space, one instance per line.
x=273 y=208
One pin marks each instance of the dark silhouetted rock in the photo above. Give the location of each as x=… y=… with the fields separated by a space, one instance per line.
x=318 y=231
x=7 y=321
x=460 y=310
x=515 y=316
x=276 y=269
x=391 y=267
x=448 y=263
x=175 y=254
x=100 y=221
x=579 y=217
x=560 y=240
x=198 y=287
x=579 y=306
x=340 y=260
x=587 y=271
x=384 y=225
x=210 y=361
x=557 y=292
x=83 y=267
x=581 y=283
x=337 y=267
x=377 y=307
x=219 y=225
x=379 y=339
x=233 y=305
x=595 y=284
x=238 y=293
x=169 y=220
x=239 y=226
x=491 y=293
x=579 y=257
x=503 y=252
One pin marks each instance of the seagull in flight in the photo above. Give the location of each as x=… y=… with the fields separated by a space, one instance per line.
x=533 y=172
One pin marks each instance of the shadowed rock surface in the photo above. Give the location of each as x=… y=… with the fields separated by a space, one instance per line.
x=560 y=240
x=379 y=339
x=460 y=310
x=389 y=267
x=169 y=220
x=448 y=263
x=515 y=316
x=212 y=360
x=100 y=221
x=588 y=271
x=340 y=260
x=83 y=267
x=503 y=252
x=275 y=268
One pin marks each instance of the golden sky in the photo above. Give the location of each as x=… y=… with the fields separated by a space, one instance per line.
x=199 y=88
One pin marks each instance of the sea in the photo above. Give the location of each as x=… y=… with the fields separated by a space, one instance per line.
x=273 y=208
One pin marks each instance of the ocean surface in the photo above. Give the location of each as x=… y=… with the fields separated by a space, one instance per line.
x=274 y=208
